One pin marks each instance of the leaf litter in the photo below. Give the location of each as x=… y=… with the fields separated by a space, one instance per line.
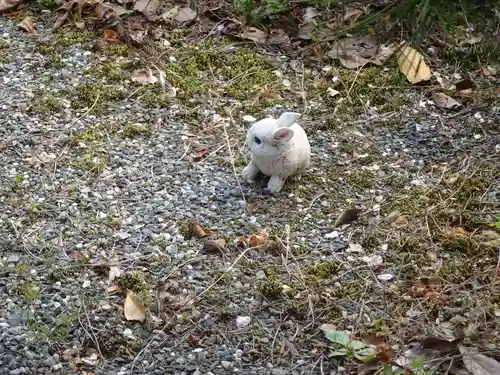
x=133 y=308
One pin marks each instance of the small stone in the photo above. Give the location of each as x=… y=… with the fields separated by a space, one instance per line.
x=14 y=258
x=333 y=234
x=128 y=333
x=242 y=321
x=226 y=364
x=385 y=277
x=259 y=275
x=249 y=119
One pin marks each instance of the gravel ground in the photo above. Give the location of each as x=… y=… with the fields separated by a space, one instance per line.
x=61 y=221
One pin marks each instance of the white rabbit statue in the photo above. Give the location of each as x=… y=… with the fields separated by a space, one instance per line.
x=279 y=149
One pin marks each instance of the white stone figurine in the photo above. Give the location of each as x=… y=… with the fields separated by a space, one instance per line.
x=279 y=149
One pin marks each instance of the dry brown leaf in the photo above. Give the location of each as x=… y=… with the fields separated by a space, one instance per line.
x=439 y=344
x=119 y=9
x=179 y=15
x=28 y=24
x=353 y=61
x=479 y=364
x=347 y=217
x=401 y=222
x=185 y=14
x=199 y=154
x=290 y=346
x=278 y=36
x=65 y=9
x=354 y=53
x=352 y=15
x=108 y=33
x=242 y=241
x=133 y=309
x=258 y=240
x=147 y=7
x=365 y=47
x=412 y=65
x=465 y=84
x=428 y=287
x=144 y=77
x=197 y=230
x=445 y=101
x=305 y=31
x=38 y=159
x=8 y=4
x=254 y=34
x=457 y=232
x=214 y=246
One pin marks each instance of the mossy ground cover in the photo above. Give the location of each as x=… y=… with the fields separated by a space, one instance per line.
x=428 y=206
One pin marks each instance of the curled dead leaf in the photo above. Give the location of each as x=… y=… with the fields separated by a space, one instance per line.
x=254 y=34
x=401 y=222
x=242 y=242
x=148 y=8
x=28 y=24
x=185 y=15
x=291 y=346
x=478 y=364
x=133 y=309
x=144 y=77
x=445 y=101
x=428 y=287
x=347 y=217
x=196 y=230
x=439 y=344
x=179 y=15
x=412 y=65
x=352 y=15
x=199 y=154
x=354 y=53
x=108 y=33
x=214 y=246
x=465 y=84
x=65 y=9
x=258 y=240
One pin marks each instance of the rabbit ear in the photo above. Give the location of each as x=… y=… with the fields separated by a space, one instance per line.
x=283 y=134
x=287 y=119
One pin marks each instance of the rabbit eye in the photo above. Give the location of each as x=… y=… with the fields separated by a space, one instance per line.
x=257 y=140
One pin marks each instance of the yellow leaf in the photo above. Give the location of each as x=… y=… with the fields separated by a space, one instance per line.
x=412 y=65
x=28 y=24
x=133 y=308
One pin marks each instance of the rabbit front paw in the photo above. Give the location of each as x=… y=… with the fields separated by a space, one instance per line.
x=250 y=172
x=275 y=184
